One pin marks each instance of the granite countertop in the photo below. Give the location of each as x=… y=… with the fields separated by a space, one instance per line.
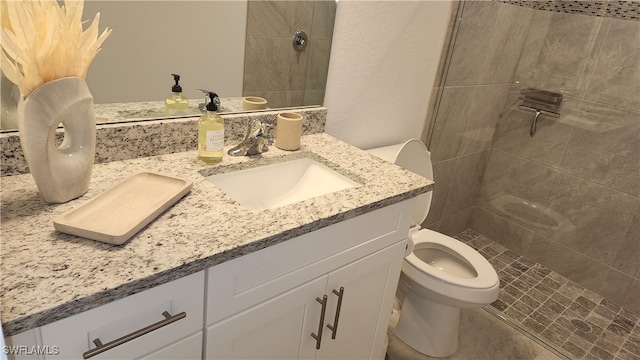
x=144 y=110
x=127 y=111
x=47 y=275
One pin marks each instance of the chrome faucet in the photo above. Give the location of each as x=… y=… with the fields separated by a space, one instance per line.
x=255 y=142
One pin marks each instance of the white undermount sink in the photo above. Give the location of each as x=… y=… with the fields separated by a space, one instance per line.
x=280 y=184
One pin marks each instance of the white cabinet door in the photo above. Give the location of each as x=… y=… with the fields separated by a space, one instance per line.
x=282 y=327
x=368 y=287
x=185 y=349
x=279 y=328
x=24 y=346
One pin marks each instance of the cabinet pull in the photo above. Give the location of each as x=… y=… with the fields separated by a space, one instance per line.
x=100 y=347
x=322 y=312
x=334 y=327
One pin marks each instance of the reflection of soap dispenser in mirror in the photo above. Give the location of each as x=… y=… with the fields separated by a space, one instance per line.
x=176 y=104
x=211 y=133
x=203 y=106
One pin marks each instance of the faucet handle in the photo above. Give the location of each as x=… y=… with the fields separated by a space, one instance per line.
x=264 y=127
x=256 y=128
x=255 y=141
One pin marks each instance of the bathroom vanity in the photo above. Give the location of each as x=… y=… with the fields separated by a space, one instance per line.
x=210 y=278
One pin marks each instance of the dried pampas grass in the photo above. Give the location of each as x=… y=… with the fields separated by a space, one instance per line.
x=42 y=41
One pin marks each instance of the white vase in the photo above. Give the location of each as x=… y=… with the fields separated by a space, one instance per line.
x=61 y=171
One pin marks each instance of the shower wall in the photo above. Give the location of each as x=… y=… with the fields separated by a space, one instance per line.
x=477 y=81
x=569 y=197
x=269 y=51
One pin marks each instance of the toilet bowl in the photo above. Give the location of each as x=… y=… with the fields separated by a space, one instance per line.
x=440 y=276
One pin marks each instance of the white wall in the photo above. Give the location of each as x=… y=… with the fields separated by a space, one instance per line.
x=384 y=60
x=203 y=41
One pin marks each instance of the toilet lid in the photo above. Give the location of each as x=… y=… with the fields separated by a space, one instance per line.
x=413 y=156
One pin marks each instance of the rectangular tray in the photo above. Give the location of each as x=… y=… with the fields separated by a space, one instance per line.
x=119 y=212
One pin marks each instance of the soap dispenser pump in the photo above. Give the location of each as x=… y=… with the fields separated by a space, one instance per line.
x=176 y=104
x=203 y=106
x=211 y=133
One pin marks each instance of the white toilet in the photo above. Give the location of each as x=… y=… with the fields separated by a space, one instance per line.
x=440 y=276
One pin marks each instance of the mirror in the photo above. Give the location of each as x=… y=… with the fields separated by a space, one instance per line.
x=235 y=48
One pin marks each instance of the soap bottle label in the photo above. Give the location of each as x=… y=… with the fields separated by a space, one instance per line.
x=215 y=140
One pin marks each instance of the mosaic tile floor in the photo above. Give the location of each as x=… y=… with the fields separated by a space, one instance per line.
x=581 y=323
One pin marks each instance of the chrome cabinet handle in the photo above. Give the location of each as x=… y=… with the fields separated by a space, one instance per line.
x=322 y=312
x=100 y=347
x=334 y=328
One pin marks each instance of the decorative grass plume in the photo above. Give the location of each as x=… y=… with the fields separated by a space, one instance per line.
x=42 y=41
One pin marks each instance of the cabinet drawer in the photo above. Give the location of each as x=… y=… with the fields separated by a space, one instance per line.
x=74 y=335
x=248 y=280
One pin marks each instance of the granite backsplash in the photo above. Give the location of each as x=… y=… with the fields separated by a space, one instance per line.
x=122 y=141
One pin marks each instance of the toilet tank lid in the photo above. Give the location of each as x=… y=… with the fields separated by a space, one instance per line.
x=413 y=156
x=388 y=153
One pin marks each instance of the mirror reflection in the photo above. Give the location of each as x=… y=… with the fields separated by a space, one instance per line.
x=235 y=48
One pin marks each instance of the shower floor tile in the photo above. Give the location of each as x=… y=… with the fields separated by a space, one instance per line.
x=574 y=320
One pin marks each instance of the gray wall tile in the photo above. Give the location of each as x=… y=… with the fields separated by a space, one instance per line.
x=451 y=122
x=456 y=223
x=604 y=147
x=627 y=258
x=516 y=188
x=443 y=173
x=273 y=69
x=618 y=285
x=616 y=77
x=278 y=18
x=570 y=263
x=472 y=42
x=600 y=216
x=487 y=107
x=465 y=184
x=558 y=52
x=503 y=52
x=501 y=230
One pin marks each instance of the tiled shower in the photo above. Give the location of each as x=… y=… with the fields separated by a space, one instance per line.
x=568 y=197
x=271 y=25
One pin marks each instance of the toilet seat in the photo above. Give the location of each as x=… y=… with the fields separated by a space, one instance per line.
x=425 y=274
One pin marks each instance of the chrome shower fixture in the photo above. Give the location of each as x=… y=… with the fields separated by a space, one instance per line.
x=542 y=102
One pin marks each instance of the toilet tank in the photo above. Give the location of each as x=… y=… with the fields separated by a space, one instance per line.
x=414 y=156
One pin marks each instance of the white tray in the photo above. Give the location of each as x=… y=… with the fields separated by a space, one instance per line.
x=119 y=212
